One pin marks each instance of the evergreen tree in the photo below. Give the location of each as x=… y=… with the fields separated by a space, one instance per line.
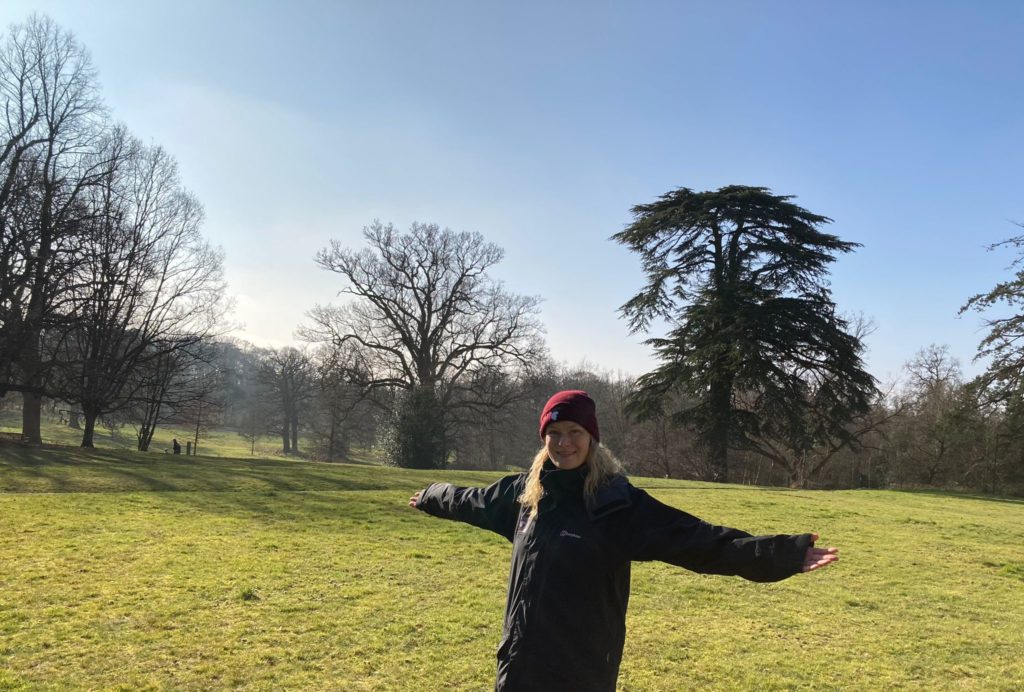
x=1004 y=378
x=1001 y=387
x=754 y=340
x=419 y=440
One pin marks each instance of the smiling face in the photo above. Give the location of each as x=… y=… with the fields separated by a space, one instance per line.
x=567 y=444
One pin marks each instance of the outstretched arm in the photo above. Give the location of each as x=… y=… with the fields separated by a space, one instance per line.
x=494 y=508
x=660 y=532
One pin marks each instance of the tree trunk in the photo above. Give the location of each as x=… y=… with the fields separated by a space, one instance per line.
x=90 y=428
x=73 y=421
x=31 y=415
x=661 y=430
x=796 y=479
x=199 y=422
x=798 y=473
x=143 y=433
x=31 y=418
x=148 y=439
x=295 y=432
x=720 y=400
x=150 y=416
x=286 y=438
x=32 y=402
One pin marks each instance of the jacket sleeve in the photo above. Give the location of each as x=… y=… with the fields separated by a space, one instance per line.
x=495 y=508
x=660 y=532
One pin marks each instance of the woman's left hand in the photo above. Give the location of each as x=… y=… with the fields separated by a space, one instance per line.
x=817 y=558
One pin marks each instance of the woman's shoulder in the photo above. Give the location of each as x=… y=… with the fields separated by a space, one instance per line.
x=513 y=480
x=614 y=495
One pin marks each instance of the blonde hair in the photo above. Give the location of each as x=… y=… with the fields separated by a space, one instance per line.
x=603 y=466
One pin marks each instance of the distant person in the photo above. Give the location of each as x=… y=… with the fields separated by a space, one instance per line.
x=176 y=446
x=576 y=524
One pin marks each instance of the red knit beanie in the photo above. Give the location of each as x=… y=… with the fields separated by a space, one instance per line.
x=571 y=405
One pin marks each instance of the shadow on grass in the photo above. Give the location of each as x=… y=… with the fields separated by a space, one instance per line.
x=273 y=507
x=260 y=490
x=66 y=469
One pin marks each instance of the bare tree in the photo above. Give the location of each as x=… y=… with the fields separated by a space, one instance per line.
x=203 y=410
x=659 y=447
x=248 y=403
x=429 y=321
x=289 y=374
x=938 y=414
x=822 y=413
x=340 y=407
x=150 y=285
x=52 y=121
x=502 y=432
x=179 y=383
x=816 y=432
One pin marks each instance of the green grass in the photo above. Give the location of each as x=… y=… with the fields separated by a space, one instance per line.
x=128 y=571
x=217 y=442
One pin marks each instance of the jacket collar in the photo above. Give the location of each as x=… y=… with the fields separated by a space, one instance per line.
x=559 y=481
x=610 y=497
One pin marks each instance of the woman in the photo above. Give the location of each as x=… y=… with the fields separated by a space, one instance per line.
x=576 y=524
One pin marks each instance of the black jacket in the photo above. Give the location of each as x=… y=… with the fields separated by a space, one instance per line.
x=565 y=618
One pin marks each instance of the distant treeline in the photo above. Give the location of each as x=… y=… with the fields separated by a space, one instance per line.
x=931 y=432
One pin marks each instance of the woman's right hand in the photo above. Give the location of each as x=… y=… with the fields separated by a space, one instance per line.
x=415 y=498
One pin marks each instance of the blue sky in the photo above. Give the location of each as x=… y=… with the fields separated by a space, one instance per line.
x=539 y=124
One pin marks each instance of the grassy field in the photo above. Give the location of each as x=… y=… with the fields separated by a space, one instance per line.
x=127 y=571
x=217 y=442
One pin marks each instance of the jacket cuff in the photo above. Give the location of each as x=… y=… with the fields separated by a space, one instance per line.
x=421 y=504
x=801 y=542
x=419 y=500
